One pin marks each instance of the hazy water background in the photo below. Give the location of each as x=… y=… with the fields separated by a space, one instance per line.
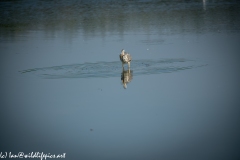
x=61 y=89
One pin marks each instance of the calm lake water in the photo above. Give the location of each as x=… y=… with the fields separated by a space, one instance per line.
x=63 y=89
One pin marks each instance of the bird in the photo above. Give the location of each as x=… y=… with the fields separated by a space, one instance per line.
x=125 y=58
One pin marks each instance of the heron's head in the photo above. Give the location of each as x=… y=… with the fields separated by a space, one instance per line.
x=123 y=51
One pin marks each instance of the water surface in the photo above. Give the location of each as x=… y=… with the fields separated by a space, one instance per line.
x=63 y=89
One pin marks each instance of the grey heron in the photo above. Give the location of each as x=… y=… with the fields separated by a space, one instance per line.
x=125 y=58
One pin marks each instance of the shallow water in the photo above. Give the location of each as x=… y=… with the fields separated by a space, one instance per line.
x=63 y=89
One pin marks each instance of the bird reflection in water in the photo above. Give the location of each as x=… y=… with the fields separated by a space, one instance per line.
x=126 y=77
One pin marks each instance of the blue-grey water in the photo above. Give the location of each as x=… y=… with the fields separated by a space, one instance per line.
x=63 y=89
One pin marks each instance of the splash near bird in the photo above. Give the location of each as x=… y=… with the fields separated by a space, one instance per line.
x=125 y=58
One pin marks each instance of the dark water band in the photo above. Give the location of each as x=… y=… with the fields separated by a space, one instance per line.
x=114 y=69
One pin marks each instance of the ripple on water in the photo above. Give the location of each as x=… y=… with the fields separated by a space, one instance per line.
x=113 y=69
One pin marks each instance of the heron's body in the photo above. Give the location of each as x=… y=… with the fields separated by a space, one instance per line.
x=125 y=58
